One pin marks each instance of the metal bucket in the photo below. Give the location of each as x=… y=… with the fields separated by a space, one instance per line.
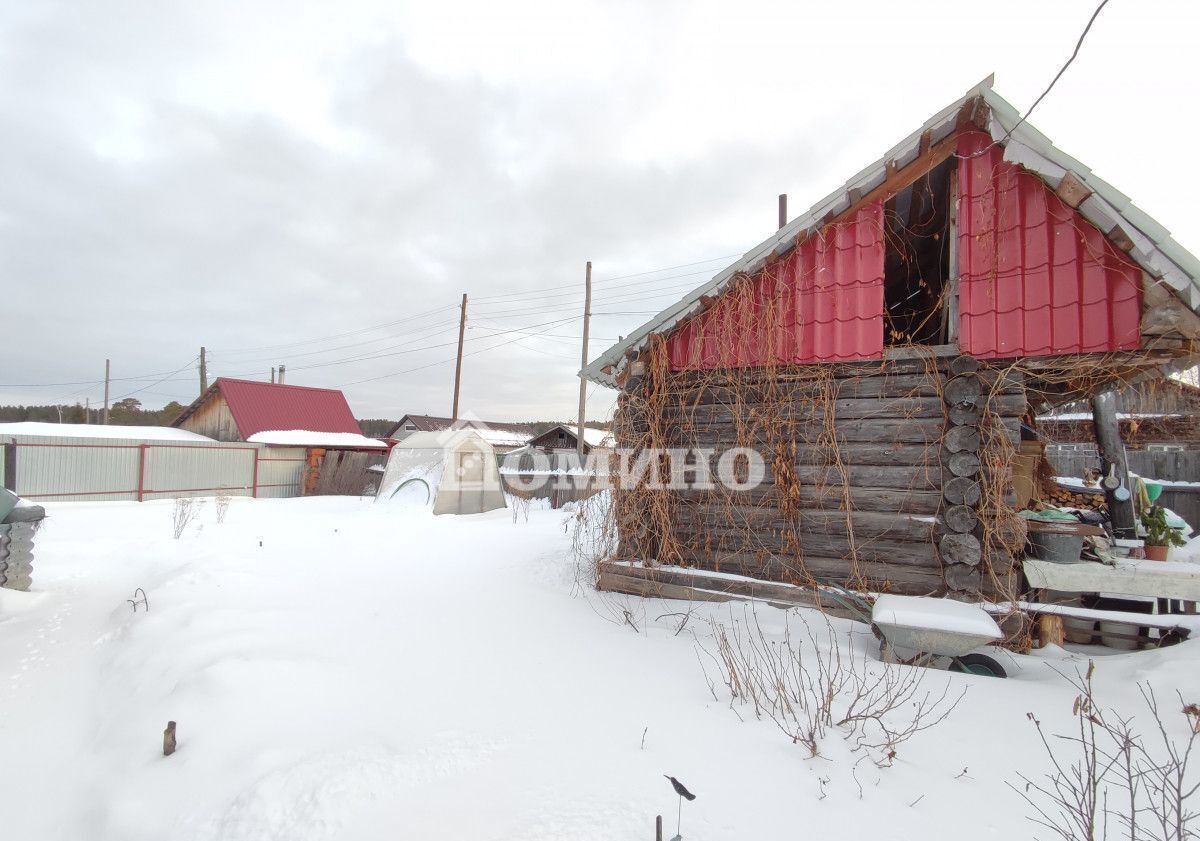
x=1056 y=548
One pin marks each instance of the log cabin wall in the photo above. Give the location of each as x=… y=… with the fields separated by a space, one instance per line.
x=892 y=476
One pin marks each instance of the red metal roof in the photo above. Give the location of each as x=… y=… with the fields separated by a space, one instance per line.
x=823 y=302
x=259 y=407
x=1036 y=278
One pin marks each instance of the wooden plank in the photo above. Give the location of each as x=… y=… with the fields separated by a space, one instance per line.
x=749 y=588
x=881 y=576
x=614 y=583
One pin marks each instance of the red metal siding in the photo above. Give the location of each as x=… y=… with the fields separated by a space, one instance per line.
x=1036 y=278
x=262 y=407
x=821 y=303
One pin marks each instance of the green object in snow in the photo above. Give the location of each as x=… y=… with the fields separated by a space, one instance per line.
x=1153 y=491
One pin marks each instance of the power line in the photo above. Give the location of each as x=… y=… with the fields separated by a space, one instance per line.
x=1053 y=82
x=337 y=335
x=618 y=277
x=163 y=380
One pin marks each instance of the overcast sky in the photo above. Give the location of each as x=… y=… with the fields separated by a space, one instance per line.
x=315 y=183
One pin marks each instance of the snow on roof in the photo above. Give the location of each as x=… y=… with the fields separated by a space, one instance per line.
x=1109 y=210
x=308 y=438
x=597 y=437
x=502 y=437
x=95 y=430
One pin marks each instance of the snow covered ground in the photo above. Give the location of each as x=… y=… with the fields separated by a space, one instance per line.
x=340 y=669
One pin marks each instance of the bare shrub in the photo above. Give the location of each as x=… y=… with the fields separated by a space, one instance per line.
x=1107 y=774
x=183 y=512
x=809 y=690
x=520 y=508
x=221 y=505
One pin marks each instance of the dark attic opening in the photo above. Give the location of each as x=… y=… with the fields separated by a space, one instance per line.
x=917 y=260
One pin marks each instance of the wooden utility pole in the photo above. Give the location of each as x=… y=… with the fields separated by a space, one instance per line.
x=87 y=410
x=203 y=372
x=587 y=320
x=107 y=372
x=782 y=210
x=1112 y=458
x=280 y=378
x=462 y=329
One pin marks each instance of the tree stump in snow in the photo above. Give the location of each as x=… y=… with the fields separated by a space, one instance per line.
x=169 y=739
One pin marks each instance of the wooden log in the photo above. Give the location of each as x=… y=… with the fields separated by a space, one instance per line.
x=964 y=365
x=965 y=388
x=962 y=578
x=963 y=464
x=866 y=524
x=961 y=439
x=871 y=476
x=960 y=549
x=886 y=551
x=1050 y=630
x=815 y=409
x=763 y=433
x=831 y=498
x=887 y=454
x=959 y=519
x=963 y=414
x=962 y=490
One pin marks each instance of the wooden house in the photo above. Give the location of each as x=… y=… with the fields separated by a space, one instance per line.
x=337 y=455
x=501 y=435
x=878 y=354
x=564 y=439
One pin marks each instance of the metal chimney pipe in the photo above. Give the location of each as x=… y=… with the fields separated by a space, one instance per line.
x=280 y=380
x=782 y=209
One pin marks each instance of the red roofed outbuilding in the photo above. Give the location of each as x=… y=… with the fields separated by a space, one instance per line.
x=247 y=410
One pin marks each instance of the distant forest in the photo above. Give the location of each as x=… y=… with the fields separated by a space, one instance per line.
x=129 y=412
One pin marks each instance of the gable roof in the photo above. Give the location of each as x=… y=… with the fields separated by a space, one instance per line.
x=259 y=407
x=434 y=423
x=1111 y=211
x=591 y=437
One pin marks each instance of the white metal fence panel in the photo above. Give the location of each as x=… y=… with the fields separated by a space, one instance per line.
x=281 y=471
x=198 y=470
x=45 y=468
x=65 y=469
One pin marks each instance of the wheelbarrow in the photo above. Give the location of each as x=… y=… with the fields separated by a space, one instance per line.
x=939 y=633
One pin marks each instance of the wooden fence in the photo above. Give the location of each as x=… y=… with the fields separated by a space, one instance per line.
x=1164 y=466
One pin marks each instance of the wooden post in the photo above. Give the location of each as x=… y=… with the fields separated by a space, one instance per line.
x=87 y=410
x=203 y=372
x=107 y=372
x=169 y=739
x=1112 y=454
x=462 y=329
x=782 y=210
x=1050 y=630
x=587 y=320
